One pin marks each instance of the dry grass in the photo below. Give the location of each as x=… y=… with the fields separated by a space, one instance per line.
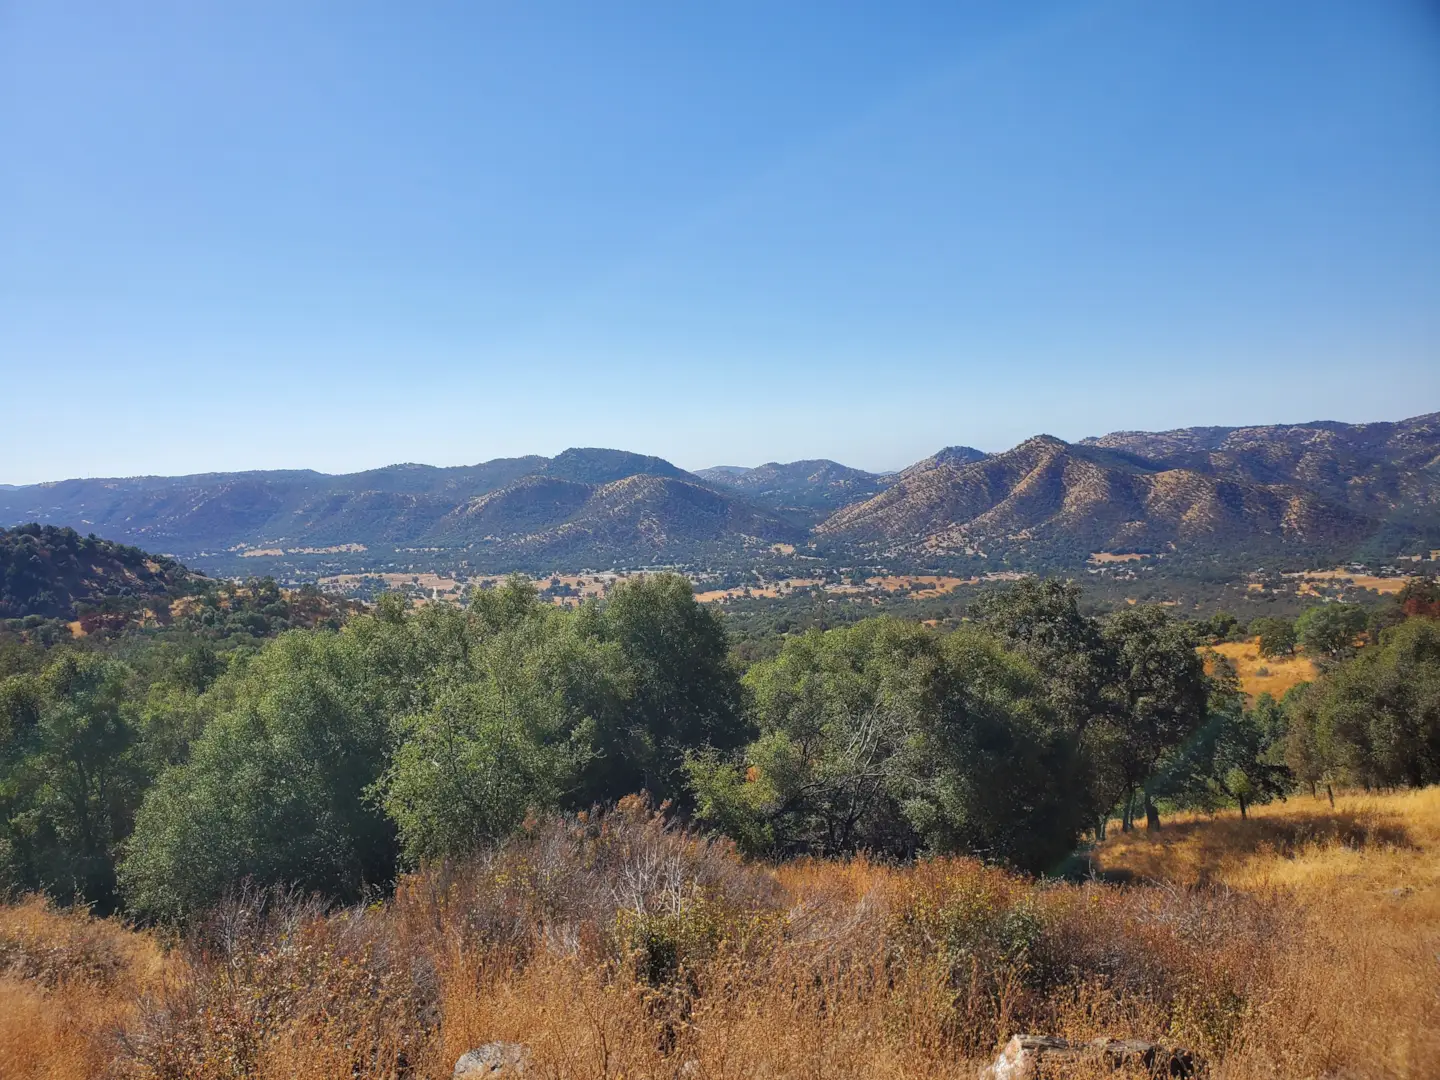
x=1259 y=674
x=919 y=586
x=1359 y=992
x=1312 y=582
x=780 y=587
x=68 y=985
x=1301 y=943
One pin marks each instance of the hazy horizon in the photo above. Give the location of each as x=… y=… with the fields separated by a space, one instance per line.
x=282 y=236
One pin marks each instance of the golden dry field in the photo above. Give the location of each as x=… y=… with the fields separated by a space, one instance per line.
x=770 y=589
x=1359 y=991
x=1259 y=675
x=920 y=586
x=1300 y=943
x=1312 y=582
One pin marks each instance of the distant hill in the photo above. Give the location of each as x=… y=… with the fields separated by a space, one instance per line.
x=1374 y=469
x=638 y=518
x=1047 y=495
x=950 y=455
x=52 y=572
x=1326 y=490
x=721 y=473
x=583 y=504
x=593 y=465
x=818 y=483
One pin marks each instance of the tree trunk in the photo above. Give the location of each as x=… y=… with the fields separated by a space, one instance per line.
x=1127 y=815
x=1152 y=815
x=1242 y=807
x=1330 y=792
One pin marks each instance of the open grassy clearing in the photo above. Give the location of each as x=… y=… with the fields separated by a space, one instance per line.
x=1361 y=984
x=1272 y=675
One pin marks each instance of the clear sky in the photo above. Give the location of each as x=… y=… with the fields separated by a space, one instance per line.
x=338 y=235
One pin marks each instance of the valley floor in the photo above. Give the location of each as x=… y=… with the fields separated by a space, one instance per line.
x=1300 y=943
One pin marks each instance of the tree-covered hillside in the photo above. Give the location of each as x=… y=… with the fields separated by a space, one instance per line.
x=55 y=572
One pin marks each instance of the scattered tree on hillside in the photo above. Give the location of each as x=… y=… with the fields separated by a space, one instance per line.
x=1160 y=696
x=1276 y=637
x=1329 y=631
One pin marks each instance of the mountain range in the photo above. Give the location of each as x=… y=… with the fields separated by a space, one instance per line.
x=1324 y=487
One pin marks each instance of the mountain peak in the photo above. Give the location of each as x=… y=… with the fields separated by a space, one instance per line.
x=600 y=465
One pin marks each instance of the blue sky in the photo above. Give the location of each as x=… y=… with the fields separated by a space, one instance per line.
x=339 y=235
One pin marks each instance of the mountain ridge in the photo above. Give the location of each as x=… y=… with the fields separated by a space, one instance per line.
x=1326 y=485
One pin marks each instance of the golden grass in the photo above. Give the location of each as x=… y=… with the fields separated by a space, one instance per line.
x=919 y=586
x=1360 y=994
x=771 y=589
x=69 y=985
x=1301 y=943
x=1310 y=580
x=433 y=583
x=1260 y=675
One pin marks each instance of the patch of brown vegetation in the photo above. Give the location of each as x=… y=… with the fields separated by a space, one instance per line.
x=69 y=984
x=768 y=589
x=1266 y=674
x=1298 y=944
x=430 y=583
x=920 y=585
x=1358 y=992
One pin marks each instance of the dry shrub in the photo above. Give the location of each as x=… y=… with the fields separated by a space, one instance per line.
x=619 y=946
x=270 y=976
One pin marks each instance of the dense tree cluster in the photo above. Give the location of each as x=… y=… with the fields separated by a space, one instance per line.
x=158 y=775
x=52 y=572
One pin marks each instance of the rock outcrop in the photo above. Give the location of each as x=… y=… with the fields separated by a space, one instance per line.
x=1038 y=1057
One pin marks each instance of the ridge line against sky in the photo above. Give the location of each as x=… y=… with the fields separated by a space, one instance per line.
x=246 y=236
x=717 y=464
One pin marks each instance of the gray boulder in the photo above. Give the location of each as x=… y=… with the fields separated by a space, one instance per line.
x=496 y=1059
